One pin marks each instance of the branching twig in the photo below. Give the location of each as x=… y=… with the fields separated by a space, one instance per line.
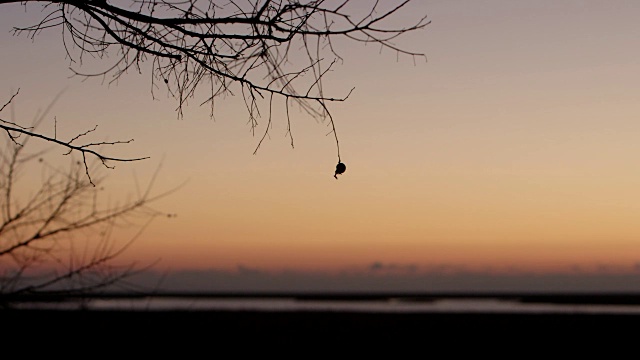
x=14 y=131
x=249 y=44
x=59 y=240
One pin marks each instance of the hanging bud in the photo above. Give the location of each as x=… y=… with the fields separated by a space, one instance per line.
x=340 y=168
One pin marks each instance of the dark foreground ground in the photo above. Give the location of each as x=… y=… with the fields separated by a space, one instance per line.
x=246 y=332
x=184 y=334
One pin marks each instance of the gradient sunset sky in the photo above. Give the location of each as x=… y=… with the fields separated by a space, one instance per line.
x=513 y=149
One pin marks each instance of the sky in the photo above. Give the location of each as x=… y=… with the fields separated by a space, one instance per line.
x=506 y=160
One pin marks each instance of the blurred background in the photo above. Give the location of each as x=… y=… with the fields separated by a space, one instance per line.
x=507 y=160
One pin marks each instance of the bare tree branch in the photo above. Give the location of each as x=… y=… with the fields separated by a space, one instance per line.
x=191 y=44
x=60 y=238
x=14 y=131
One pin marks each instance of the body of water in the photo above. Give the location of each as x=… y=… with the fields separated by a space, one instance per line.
x=374 y=305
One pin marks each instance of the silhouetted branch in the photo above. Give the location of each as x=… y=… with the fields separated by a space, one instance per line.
x=58 y=236
x=14 y=132
x=215 y=44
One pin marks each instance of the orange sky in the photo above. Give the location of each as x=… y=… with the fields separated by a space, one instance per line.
x=514 y=147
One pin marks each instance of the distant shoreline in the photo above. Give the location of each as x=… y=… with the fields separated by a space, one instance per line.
x=554 y=298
